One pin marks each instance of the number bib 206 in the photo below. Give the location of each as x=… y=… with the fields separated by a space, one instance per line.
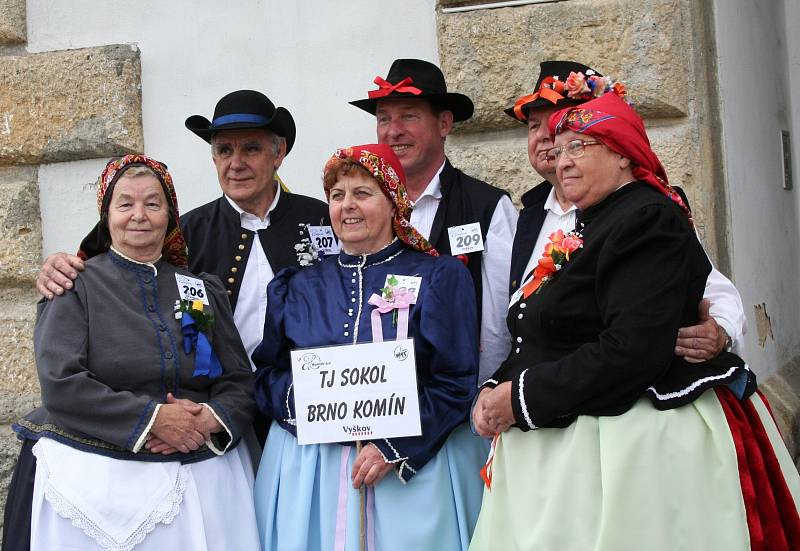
x=191 y=288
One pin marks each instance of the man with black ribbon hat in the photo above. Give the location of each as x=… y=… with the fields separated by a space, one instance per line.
x=545 y=210
x=459 y=215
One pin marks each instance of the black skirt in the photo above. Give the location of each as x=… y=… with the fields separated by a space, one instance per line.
x=17 y=517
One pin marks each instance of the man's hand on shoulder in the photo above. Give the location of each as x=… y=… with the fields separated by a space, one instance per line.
x=57 y=274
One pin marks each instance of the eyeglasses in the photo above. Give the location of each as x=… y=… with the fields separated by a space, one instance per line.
x=573 y=150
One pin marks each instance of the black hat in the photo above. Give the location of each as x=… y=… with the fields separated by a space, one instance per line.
x=245 y=109
x=549 y=70
x=415 y=78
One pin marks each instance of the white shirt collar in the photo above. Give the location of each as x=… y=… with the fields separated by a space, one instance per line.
x=246 y=216
x=552 y=204
x=434 y=188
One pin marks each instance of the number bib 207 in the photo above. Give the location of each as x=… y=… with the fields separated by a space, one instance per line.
x=322 y=237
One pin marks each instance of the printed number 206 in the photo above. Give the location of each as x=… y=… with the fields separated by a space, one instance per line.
x=192 y=291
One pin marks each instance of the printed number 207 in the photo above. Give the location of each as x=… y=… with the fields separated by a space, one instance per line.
x=324 y=242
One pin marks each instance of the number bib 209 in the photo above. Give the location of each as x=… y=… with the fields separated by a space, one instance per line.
x=191 y=288
x=465 y=239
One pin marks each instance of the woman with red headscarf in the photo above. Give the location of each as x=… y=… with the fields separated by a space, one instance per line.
x=604 y=439
x=421 y=492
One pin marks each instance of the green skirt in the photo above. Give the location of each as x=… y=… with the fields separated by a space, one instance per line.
x=647 y=480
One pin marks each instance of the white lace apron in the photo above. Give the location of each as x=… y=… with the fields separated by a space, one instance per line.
x=115 y=502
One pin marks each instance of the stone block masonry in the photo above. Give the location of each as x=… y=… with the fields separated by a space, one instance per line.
x=70 y=105
x=12 y=22
x=54 y=106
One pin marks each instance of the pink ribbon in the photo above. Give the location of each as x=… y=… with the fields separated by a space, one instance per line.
x=341 y=509
x=340 y=538
x=401 y=301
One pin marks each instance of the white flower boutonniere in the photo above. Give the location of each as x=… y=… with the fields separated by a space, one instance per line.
x=306 y=251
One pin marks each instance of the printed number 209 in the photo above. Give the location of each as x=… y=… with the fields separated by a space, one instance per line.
x=467 y=240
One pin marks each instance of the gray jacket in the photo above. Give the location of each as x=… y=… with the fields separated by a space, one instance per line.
x=109 y=350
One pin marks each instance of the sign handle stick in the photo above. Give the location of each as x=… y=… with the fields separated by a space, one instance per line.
x=362 y=498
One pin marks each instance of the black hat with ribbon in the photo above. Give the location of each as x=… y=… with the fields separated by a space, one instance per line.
x=245 y=109
x=415 y=78
x=551 y=88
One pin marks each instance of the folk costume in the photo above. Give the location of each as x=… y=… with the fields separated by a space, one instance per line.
x=304 y=494
x=453 y=198
x=542 y=214
x=107 y=353
x=243 y=250
x=221 y=237
x=618 y=444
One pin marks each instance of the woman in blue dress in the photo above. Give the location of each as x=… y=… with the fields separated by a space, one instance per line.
x=422 y=492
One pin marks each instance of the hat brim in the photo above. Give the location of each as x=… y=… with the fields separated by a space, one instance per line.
x=460 y=105
x=541 y=103
x=281 y=123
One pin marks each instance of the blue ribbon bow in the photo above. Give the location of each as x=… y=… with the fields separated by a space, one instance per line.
x=205 y=361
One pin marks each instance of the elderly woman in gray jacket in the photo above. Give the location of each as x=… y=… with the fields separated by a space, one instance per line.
x=146 y=390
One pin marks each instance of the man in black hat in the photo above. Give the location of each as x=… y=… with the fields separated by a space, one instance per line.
x=545 y=210
x=249 y=139
x=457 y=213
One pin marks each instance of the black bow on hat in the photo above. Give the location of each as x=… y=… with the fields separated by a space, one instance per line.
x=245 y=109
x=420 y=79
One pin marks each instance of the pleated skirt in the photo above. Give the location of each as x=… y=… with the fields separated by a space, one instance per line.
x=305 y=500
x=710 y=476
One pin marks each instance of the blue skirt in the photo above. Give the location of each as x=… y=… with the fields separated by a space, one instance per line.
x=305 y=500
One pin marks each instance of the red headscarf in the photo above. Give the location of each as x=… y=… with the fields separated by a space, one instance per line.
x=382 y=163
x=615 y=123
x=99 y=240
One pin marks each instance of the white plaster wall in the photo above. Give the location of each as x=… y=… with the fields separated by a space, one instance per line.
x=310 y=56
x=755 y=78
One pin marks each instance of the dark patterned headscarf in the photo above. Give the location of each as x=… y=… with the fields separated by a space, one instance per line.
x=382 y=163
x=98 y=240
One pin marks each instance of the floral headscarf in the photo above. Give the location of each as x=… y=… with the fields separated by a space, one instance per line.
x=611 y=120
x=382 y=163
x=98 y=240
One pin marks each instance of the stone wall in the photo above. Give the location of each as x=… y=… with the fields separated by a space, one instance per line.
x=54 y=106
x=493 y=56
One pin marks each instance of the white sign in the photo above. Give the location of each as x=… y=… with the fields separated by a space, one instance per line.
x=323 y=239
x=191 y=288
x=356 y=392
x=465 y=239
